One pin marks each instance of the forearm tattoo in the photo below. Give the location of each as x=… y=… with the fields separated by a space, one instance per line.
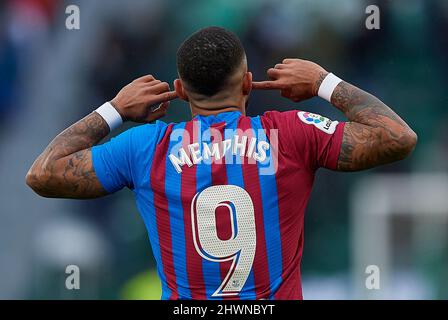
x=65 y=167
x=375 y=134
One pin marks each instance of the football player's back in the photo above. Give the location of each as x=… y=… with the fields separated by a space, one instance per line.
x=223 y=240
x=230 y=193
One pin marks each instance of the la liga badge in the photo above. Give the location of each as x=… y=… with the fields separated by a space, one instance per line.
x=320 y=122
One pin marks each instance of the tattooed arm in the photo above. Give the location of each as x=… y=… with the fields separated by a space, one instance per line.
x=65 y=168
x=374 y=135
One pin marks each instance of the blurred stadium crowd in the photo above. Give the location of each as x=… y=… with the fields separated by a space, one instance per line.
x=51 y=76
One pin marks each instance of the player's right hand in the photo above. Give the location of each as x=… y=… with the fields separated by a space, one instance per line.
x=135 y=100
x=296 y=79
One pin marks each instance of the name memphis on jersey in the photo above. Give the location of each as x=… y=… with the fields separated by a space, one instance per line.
x=239 y=145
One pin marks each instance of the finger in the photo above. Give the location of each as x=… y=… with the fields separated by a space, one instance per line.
x=153 y=83
x=166 y=96
x=280 y=66
x=159 y=88
x=146 y=78
x=266 y=85
x=274 y=73
x=288 y=60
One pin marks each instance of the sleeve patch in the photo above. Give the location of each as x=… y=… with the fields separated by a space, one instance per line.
x=322 y=123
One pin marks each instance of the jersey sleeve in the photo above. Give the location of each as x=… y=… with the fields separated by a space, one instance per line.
x=122 y=161
x=313 y=140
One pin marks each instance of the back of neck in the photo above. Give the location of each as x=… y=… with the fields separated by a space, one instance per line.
x=203 y=111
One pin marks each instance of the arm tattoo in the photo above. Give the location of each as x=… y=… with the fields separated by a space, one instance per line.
x=65 y=168
x=375 y=135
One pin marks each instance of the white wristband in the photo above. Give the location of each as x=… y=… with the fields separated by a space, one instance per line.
x=327 y=86
x=110 y=115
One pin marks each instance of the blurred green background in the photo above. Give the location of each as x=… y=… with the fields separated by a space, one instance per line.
x=51 y=76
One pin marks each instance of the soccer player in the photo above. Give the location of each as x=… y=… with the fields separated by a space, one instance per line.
x=222 y=195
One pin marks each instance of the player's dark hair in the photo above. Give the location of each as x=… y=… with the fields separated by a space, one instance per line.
x=207 y=58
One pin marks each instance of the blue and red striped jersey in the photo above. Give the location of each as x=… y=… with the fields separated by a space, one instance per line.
x=223 y=198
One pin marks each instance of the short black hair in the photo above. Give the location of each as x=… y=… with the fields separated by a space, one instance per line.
x=207 y=58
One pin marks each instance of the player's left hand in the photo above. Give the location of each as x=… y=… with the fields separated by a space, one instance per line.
x=296 y=79
x=134 y=102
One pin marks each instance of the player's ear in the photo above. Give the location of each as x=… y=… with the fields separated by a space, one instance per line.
x=178 y=86
x=247 y=83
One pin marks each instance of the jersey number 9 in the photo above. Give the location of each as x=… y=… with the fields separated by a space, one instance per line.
x=240 y=248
